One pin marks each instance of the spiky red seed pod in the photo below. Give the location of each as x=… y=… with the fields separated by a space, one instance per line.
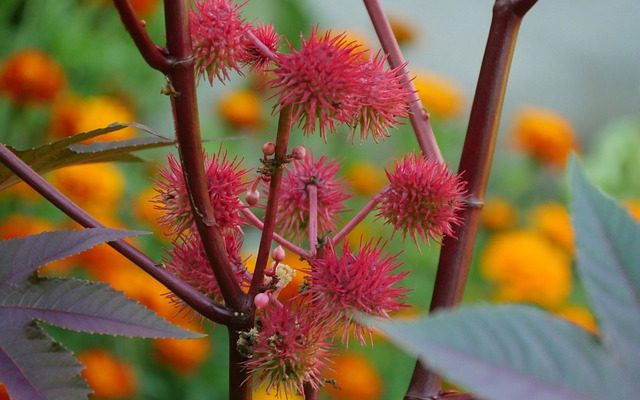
x=293 y=206
x=319 y=81
x=217 y=34
x=225 y=184
x=253 y=55
x=188 y=261
x=382 y=99
x=361 y=281
x=423 y=199
x=290 y=348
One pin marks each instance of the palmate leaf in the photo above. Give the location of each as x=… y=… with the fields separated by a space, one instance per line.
x=69 y=151
x=512 y=352
x=608 y=248
x=32 y=366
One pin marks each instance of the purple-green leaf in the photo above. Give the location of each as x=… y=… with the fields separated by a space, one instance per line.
x=513 y=352
x=34 y=367
x=608 y=248
x=69 y=151
x=20 y=257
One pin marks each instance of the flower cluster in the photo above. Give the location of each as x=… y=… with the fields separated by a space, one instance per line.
x=422 y=199
x=224 y=181
x=293 y=207
x=327 y=82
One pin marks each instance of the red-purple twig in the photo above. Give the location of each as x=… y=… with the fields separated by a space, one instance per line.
x=419 y=117
x=261 y=46
x=253 y=219
x=187 y=126
x=189 y=295
x=310 y=393
x=475 y=165
x=312 y=191
x=279 y=158
x=151 y=53
x=361 y=215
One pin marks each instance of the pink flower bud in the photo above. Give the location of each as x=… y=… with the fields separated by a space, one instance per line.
x=261 y=300
x=268 y=149
x=299 y=153
x=278 y=254
x=252 y=197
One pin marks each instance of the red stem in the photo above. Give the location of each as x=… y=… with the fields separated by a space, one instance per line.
x=475 y=165
x=261 y=46
x=185 y=115
x=312 y=191
x=284 y=242
x=240 y=383
x=279 y=158
x=361 y=215
x=151 y=53
x=419 y=117
x=310 y=393
x=189 y=295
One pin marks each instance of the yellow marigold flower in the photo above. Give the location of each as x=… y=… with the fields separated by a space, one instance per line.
x=545 y=135
x=22 y=191
x=366 y=178
x=18 y=225
x=109 y=377
x=31 y=76
x=580 y=316
x=183 y=356
x=403 y=30
x=362 y=233
x=553 y=221
x=72 y=114
x=633 y=206
x=498 y=214
x=96 y=187
x=241 y=109
x=356 y=378
x=351 y=36
x=441 y=97
x=525 y=267
x=261 y=394
x=147 y=211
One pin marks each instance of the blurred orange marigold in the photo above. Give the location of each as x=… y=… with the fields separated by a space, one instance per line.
x=31 y=76
x=241 y=109
x=545 y=135
x=356 y=378
x=633 y=206
x=525 y=267
x=580 y=316
x=498 y=214
x=109 y=377
x=365 y=178
x=96 y=187
x=183 y=356
x=553 y=221
x=441 y=97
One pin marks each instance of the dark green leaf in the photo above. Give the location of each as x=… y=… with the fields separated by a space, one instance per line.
x=608 y=247
x=68 y=151
x=513 y=352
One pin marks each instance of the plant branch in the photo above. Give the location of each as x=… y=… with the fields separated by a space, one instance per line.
x=189 y=295
x=279 y=158
x=185 y=115
x=262 y=47
x=312 y=191
x=151 y=53
x=310 y=393
x=418 y=115
x=475 y=165
x=240 y=383
x=361 y=215
x=284 y=242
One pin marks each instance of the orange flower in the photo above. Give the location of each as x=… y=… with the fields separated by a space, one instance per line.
x=261 y=394
x=498 y=214
x=4 y=395
x=31 y=76
x=441 y=97
x=183 y=356
x=241 y=109
x=403 y=30
x=109 y=377
x=553 y=221
x=146 y=210
x=355 y=377
x=545 y=135
x=300 y=266
x=72 y=114
x=633 y=206
x=22 y=191
x=366 y=178
x=96 y=187
x=580 y=316
x=144 y=7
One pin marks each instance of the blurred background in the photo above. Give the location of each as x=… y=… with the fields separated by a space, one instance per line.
x=68 y=66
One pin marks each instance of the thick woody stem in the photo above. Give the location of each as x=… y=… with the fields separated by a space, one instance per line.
x=310 y=393
x=187 y=126
x=312 y=191
x=475 y=165
x=240 y=385
x=279 y=158
x=152 y=54
x=361 y=215
x=418 y=115
x=253 y=219
x=189 y=295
